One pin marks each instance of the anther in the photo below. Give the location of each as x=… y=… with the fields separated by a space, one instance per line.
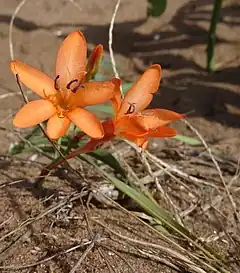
x=131 y=109
x=55 y=83
x=74 y=90
x=70 y=83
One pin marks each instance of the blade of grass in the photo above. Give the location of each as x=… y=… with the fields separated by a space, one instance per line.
x=156 y=7
x=162 y=215
x=108 y=159
x=188 y=140
x=212 y=35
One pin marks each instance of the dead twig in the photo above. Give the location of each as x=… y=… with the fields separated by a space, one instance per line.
x=164 y=249
x=83 y=256
x=21 y=267
x=53 y=208
x=119 y=255
x=217 y=168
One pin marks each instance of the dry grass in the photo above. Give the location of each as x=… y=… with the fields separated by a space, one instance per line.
x=79 y=224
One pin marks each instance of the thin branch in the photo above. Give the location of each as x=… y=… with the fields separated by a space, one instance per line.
x=164 y=249
x=21 y=267
x=19 y=6
x=216 y=166
x=110 y=41
x=30 y=220
x=83 y=256
x=119 y=255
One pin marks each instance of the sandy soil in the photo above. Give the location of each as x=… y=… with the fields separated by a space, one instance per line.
x=177 y=41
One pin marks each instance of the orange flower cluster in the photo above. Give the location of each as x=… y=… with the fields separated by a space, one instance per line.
x=65 y=96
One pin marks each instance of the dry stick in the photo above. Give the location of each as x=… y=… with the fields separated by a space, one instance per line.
x=29 y=221
x=19 y=6
x=237 y=174
x=112 y=56
x=160 y=188
x=41 y=152
x=76 y=5
x=83 y=256
x=175 y=170
x=94 y=237
x=217 y=168
x=221 y=224
x=147 y=179
x=119 y=255
x=164 y=237
x=110 y=267
x=10 y=248
x=166 y=250
x=131 y=175
x=7 y=184
x=159 y=259
x=20 y=267
x=6 y=221
x=110 y=40
x=114 y=66
x=153 y=257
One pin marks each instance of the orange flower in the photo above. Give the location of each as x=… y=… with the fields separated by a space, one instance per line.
x=130 y=120
x=64 y=97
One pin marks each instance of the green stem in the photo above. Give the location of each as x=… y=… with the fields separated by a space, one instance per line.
x=212 y=35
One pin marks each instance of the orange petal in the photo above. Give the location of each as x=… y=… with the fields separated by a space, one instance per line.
x=34 y=79
x=108 y=128
x=141 y=93
x=154 y=118
x=94 y=62
x=57 y=127
x=162 y=132
x=126 y=125
x=71 y=59
x=87 y=122
x=117 y=98
x=92 y=93
x=33 y=113
x=139 y=141
x=95 y=143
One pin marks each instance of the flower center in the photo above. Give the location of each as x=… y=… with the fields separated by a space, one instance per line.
x=62 y=97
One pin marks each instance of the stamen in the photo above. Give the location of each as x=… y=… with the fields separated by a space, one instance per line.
x=55 y=83
x=74 y=90
x=131 y=109
x=45 y=95
x=70 y=83
x=60 y=114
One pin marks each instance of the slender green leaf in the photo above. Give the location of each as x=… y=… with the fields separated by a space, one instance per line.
x=160 y=215
x=156 y=7
x=108 y=159
x=149 y=206
x=188 y=140
x=212 y=35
